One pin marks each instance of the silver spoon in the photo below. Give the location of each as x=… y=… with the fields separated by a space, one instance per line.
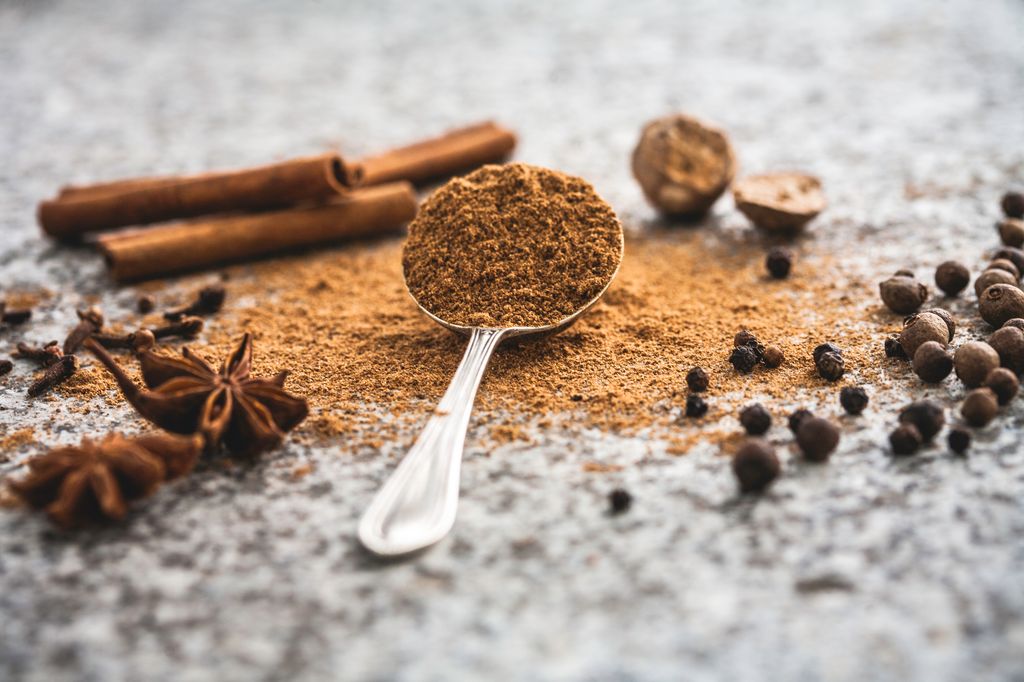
x=416 y=506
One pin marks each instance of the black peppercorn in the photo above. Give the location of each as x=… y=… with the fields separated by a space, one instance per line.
x=744 y=338
x=817 y=438
x=926 y=416
x=779 y=262
x=902 y=294
x=773 y=356
x=980 y=407
x=145 y=304
x=905 y=439
x=1013 y=204
x=893 y=348
x=744 y=359
x=797 y=418
x=823 y=348
x=697 y=380
x=619 y=501
x=1003 y=383
x=952 y=277
x=696 y=406
x=755 y=419
x=830 y=366
x=932 y=362
x=755 y=465
x=853 y=399
x=959 y=440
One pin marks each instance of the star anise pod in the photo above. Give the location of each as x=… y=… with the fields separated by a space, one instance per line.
x=188 y=395
x=96 y=479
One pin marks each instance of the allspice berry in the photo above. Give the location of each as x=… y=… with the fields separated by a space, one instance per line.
x=779 y=262
x=773 y=356
x=797 y=418
x=783 y=202
x=1012 y=254
x=1003 y=383
x=952 y=277
x=947 y=318
x=697 y=380
x=683 y=165
x=1001 y=302
x=902 y=294
x=853 y=399
x=1008 y=342
x=919 y=329
x=1011 y=231
x=979 y=407
x=905 y=440
x=893 y=349
x=1013 y=204
x=926 y=416
x=932 y=362
x=1004 y=264
x=1015 y=322
x=973 y=361
x=755 y=465
x=817 y=438
x=990 y=277
x=959 y=440
x=755 y=419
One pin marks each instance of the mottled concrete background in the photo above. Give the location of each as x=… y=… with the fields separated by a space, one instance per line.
x=867 y=569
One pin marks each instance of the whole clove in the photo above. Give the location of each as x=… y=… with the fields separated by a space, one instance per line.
x=952 y=277
x=44 y=356
x=55 y=374
x=186 y=328
x=755 y=465
x=697 y=380
x=208 y=301
x=854 y=399
x=137 y=341
x=90 y=321
x=755 y=419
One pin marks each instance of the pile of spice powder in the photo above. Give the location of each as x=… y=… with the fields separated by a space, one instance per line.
x=511 y=246
x=373 y=366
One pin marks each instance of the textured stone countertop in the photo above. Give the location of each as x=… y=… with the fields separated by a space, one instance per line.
x=866 y=569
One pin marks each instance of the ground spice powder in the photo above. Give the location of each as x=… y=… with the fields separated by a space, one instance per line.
x=511 y=246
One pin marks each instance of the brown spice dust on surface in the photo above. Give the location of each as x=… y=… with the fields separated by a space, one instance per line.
x=511 y=246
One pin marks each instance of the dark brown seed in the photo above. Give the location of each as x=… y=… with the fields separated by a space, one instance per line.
x=903 y=272
x=695 y=406
x=926 y=416
x=773 y=357
x=5 y=367
x=823 y=348
x=831 y=366
x=946 y=317
x=1008 y=343
x=744 y=359
x=143 y=340
x=959 y=440
x=18 y=316
x=952 y=277
x=1004 y=264
x=90 y=321
x=853 y=399
x=973 y=361
x=1003 y=383
x=755 y=419
x=44 y=356
x=697 y=380
x=921 y=328
x=905 y=439
x=145 y=304
x=980 y=407
x=779 y=262
x=619 y=501
x=893 y=349
x=990 y=277
x=209 y=300
x=1001 y=302
x=54 y=374
x=186 y=327
x=797 y=418
x=744 y=338
x=932 y=362
x=1013 y=204
x=1015 y=322
x=817 y=438
x=755 y=465
x=903 y=294
x=1013 y=254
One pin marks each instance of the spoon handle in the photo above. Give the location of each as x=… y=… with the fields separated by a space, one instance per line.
x=416 y=507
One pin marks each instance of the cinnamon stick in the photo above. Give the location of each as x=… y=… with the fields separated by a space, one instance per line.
x=80 y=210
x=180 y=247
x=456 y=151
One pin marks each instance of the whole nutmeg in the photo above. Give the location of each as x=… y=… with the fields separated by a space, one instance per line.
x=1004 y=264
x=755 y=465
x=817 y=438
x=990 y=277
x=1013 y=204
x=946 y=317
x=773 y=356
x=1003 y=383
x=1008 y=343
x=905 y=439
x=952 y=277
x=932 y=362
x=783 y=202
x=920 y=329
x=1012 y=254
x=980 y=407
x=973 y=361
x=683 y=164
x=902 y=294
x=926 y=416
x=755 y=419
x=1001 y=302
x=830 y=366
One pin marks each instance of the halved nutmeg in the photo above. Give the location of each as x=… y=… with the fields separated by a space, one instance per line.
x=779 y=201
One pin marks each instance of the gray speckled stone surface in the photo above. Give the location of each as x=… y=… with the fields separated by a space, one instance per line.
x=865 y=569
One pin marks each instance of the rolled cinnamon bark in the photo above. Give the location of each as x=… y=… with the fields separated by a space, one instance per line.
x=80 y=210
x=452 y=153
x=202 y=244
